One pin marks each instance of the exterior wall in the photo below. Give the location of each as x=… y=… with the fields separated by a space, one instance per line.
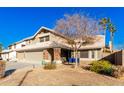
x=48 y=55
x=27 y=42
x=52 y=55
x=57 y=38
x=12 y=56
x=97 y=55
x=9 y=56
x=52 y=37
x=37 y=38
x=11 y=47
x=19 y=45
x=57 y=55
x=5 y=56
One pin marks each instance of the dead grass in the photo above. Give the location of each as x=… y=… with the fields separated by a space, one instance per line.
x=62 y=76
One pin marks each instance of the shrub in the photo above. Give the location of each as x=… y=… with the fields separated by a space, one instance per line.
x=50 y=66
x=103 y=67
x=118 y=71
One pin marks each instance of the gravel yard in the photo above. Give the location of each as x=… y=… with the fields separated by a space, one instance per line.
x=62 y=76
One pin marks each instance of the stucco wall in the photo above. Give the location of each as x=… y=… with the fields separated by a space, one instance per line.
x=12 y=56
x=36 y=39
x=5 y=56
x=19 y=45
x=57 y=38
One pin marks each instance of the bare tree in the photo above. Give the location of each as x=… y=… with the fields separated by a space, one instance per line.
x=79 y=29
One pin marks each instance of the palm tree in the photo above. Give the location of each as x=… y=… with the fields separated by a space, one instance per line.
x=112 y=29
x=104 y=24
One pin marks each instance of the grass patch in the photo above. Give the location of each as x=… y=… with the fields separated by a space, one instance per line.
x=50 y=66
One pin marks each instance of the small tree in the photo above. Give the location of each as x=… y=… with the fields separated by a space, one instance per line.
x=79 y=30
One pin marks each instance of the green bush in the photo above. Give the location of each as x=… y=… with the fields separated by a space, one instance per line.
x=50 y=66
x=103 y=67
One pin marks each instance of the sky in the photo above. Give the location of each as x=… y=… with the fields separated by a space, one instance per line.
x=18 y=23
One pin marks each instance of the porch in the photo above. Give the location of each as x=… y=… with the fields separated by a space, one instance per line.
x=57 y=55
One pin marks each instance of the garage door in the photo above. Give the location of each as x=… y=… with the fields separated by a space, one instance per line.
x=34 y=57
x=20 y=56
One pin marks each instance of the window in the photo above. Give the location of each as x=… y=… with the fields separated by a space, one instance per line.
x=84 y=54
x=93 y=54
x=42 y=39
x=22 y=45
x=45 y=38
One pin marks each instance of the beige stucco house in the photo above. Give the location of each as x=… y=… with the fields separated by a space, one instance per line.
x=50 y=46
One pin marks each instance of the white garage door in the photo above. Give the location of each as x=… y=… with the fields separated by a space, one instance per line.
x=20 y=56
x=34 y=57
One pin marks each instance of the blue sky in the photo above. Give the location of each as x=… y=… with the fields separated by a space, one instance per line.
x=18 y=23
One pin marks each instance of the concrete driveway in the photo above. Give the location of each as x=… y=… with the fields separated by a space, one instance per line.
x=18 y=65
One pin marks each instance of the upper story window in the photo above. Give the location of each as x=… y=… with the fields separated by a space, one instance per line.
x=42 y=39
x=22 y=45
x=45 y=38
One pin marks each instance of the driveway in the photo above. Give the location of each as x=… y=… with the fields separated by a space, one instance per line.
x=18 y=65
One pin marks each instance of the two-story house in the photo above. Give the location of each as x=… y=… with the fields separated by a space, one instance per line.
x=46 y=44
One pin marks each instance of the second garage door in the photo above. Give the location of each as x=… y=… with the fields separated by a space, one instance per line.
x=34 y=57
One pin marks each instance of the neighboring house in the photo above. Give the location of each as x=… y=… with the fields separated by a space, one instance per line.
x=47 y=45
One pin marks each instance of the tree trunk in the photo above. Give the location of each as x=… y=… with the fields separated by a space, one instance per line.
x=111 y=39
x=105 y=39
x=105 y=43
x=74 y=53
x=76 y=60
